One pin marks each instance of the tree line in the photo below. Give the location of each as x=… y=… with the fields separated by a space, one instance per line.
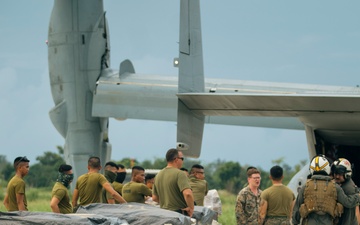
x=220 y=175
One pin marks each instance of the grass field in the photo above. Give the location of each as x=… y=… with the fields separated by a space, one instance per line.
x=39 y=200
x=228 y=208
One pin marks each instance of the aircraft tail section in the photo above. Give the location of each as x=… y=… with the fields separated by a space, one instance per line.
x=191 y=69
x=191 y=77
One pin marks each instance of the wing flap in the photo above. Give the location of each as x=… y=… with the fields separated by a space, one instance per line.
x=216 y=104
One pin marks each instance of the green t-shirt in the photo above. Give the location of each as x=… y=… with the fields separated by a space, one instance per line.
x=60 y=192
x=89 y=186
x=279 y=199
x=199 y=189
x=135 y=192
x=106 y=195
x=15 y=186
x=168 y=186
x=118 y=188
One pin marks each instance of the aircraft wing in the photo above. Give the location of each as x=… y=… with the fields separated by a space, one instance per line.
x=335 y=117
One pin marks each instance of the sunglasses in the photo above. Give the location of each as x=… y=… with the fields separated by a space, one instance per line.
x=182 y=158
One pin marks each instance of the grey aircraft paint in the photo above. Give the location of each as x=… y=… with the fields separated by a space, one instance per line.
x=86 y=91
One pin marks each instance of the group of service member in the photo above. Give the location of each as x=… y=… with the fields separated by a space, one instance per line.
x=172 y=189
x=328 y=197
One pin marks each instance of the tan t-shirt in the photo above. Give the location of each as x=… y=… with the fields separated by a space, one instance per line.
x=60 y=192
x=89 y=186
x=15 y=186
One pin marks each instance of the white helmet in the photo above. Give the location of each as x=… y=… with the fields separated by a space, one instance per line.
x=320 y=163
x=343 y=166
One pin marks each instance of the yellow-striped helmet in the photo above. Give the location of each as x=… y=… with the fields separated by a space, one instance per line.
x=320 y=163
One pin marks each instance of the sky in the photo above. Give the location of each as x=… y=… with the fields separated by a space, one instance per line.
x=311 y=42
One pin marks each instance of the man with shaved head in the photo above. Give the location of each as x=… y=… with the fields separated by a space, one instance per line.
x=88 y=186
x=15 y=198
x=136 y=190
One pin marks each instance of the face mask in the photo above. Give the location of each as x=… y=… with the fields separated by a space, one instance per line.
x=110 y=176
x=120 y=177
x=65 y=179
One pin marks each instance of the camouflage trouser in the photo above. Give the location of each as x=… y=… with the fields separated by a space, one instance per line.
x=277 y=221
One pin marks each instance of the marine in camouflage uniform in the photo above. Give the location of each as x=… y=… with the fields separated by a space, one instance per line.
x=248 y=200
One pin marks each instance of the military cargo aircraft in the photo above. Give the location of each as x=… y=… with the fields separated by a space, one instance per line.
x=87 y=91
